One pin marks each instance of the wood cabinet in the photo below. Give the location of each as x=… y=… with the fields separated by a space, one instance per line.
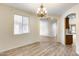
x=69 y=39
x=67 y=23
x=68 y=35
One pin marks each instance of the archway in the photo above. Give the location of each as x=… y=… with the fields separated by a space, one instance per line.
x=70 y=29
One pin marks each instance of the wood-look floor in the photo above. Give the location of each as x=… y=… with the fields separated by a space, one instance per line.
x=46 y=47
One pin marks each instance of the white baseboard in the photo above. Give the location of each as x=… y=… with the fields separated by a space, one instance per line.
x=17 y=46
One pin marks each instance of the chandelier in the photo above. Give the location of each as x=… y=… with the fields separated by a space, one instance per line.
x=41 y=12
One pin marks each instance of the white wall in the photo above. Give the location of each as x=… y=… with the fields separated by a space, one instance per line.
x=7 y=39
x=74 y=9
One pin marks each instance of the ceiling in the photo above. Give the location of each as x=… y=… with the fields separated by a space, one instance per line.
x=53 y=9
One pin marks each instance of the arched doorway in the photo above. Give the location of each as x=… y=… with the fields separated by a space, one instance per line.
x=70 y=29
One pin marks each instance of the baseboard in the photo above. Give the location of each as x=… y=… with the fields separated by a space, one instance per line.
x=48 y=36
x=19 y=46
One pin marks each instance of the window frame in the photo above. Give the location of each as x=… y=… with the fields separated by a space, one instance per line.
x=75 y=28
x=22 y=25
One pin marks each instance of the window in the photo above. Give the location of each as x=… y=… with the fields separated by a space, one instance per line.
x=21 y=24
x=54 y=29
x=44 y=27
x=73 y=29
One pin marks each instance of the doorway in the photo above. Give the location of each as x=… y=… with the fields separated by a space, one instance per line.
x=70 y=29
x=48 y=31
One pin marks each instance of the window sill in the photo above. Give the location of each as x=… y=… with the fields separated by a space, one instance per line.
x=21 y=34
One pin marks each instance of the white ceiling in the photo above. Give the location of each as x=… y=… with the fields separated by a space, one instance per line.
x=53 y=9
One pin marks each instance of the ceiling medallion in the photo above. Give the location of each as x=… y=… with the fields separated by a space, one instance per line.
x=41 y=12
